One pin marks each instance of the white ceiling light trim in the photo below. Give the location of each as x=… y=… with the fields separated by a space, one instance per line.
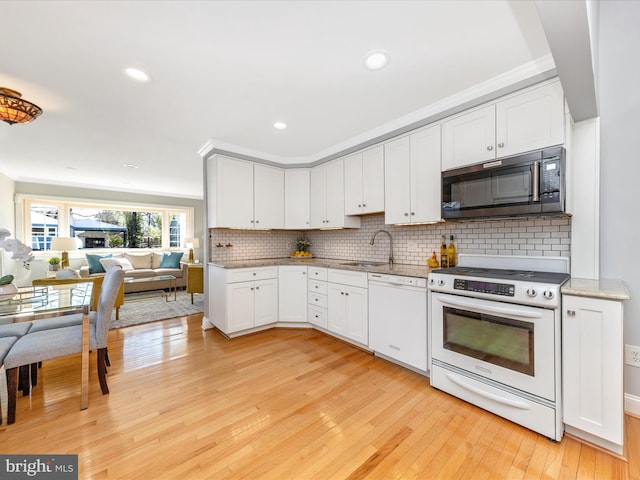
x=137 y=74
x=376 y=60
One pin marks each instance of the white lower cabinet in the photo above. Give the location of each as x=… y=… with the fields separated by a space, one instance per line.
x=592 y=370
x=348 y=305
x=292 y=294
x=243 y=298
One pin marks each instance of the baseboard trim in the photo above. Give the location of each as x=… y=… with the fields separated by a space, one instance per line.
x=632 y=405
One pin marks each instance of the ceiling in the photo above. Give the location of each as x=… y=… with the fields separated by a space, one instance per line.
x=224 y=71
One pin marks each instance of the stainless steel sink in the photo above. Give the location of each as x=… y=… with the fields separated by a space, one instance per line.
x=364 y=264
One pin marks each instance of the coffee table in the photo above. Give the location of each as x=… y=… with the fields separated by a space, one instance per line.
x=159 y=278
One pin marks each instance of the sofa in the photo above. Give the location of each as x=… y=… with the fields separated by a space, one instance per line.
x=140 y=265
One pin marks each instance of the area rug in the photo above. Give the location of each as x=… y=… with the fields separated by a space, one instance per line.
x=148 y=307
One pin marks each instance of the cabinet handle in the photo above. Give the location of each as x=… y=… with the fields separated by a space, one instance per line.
x=254 y=274
x=346 y=293
x=406 y=214
x=364 y=204
x=413 y=213
x=501 y=145
x=341 y=293
x=251 y=221
x=316 y=316
x=257 y=288
x=251 y=288
x=304 y=273
x=490 y=147
x=257 y=221
x=571 y=313
x=359 y=205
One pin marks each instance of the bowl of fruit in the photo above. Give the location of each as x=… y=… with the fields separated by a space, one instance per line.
x=302 y=249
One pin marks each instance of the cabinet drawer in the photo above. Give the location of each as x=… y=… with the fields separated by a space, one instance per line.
x=317 y=287
x=317 y=316
x=318 y=299
x=349 y=277
x=318 y=273
x=248 y=274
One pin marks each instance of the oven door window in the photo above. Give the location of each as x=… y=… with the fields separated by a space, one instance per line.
x=497 y=340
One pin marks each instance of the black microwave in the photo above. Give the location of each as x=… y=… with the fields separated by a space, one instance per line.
x=527 y=184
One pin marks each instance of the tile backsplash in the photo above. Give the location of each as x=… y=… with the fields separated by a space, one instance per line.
x=412 y=245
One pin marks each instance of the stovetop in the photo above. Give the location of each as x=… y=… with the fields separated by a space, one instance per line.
x=502 y=274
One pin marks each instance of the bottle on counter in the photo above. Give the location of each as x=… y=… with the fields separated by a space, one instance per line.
x=444 y=251
x=433 y=261
x=451 y=253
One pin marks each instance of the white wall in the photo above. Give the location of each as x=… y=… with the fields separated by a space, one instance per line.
x=619 y=96
x=7 y=213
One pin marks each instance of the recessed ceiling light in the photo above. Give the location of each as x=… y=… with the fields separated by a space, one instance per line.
x=129 y=165
x=137 y=74
x=280 y=125
x=376 y=60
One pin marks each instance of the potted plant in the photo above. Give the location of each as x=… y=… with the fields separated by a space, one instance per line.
x=55 y=263
x=8 y=289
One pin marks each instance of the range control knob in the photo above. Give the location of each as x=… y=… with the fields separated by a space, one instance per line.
x=432 y=281
x=441 y=283
x=531 y=292
x=548 y=294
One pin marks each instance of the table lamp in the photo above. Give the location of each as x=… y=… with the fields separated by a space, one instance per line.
x=191 y=243
x=63 y=245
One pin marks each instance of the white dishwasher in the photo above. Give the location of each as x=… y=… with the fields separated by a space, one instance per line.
x=398 y=319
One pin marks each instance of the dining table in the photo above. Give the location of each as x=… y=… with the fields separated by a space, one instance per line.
x=45 y=302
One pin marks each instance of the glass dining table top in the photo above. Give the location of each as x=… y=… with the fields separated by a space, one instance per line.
x=49 y=300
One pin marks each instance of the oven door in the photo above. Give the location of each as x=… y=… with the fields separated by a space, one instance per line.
x=510 y=344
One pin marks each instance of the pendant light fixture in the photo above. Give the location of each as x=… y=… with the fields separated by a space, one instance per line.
x=13 y=109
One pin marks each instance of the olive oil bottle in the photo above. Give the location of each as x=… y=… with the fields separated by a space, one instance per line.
x=451 y=253
x=444 y=253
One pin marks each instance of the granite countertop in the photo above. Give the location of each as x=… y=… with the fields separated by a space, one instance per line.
x=397 y=269
x=606 y=289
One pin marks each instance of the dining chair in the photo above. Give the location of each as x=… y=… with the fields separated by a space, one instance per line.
x=40 y=345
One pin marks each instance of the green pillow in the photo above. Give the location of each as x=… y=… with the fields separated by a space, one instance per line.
x=94 y=262
x=171 y=259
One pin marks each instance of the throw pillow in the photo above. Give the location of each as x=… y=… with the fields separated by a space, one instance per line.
x=126 y=264
x=171 y=260
x=94 y=262
x=139 y=260
x=156 y=259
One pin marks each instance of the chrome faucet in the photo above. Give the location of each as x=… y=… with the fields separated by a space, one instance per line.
x=373 y=238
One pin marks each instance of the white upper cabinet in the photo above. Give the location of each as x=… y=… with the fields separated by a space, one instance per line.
x=268 y=199
x=296 y=198
x=242 y=194
x=229 y=193
x=327 y=197
x=412 y=177
x=529 y=120
x=364 y=182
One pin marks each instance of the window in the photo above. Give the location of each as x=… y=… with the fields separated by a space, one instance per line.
x=105 y=226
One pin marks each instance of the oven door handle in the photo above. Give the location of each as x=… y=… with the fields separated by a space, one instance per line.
x=491 y=396
x=512 y=312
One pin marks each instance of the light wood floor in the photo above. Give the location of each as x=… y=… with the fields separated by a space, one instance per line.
x=281 y=404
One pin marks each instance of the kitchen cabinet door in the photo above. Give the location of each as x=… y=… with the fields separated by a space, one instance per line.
x=292 y=288
x=412 y=178
x=592 y=370
x=347 y=312
x=327 y=197
x=469 y=138
x=356 y=315
x=268 y=199
x=364 y=182
x=296 y=198
x=531 y=120
x=318 y=198
x=230 y=193
x=397 y=181
x=240 y=306
x=425 y=187
x=335 y=194
x=266 y=302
